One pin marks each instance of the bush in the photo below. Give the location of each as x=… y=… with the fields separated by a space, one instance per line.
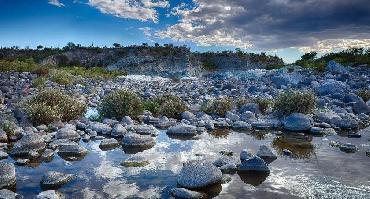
x=9 y=128
x=166 y=105
x=294 y=102
x=42 y=71
x=61 y=77
x=53 y=105
x=119 y=104
x=218 y=106
x=38 y=82
x=364 y=94
x=263 y=103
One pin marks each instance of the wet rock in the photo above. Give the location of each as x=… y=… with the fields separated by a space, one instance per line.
x=109 y=143
x=286 y=152
x=198 y=174
x=7 y=175
x=3 y=136
x=245 y=155
x=232 y=116
x=266 y=124
x=68 y=132
x=54 y=180
x=50 y=194
x=266 y=154
x=254 y=163
x=146 y=130
x=21 y=162
x=3 y=155
x=47 y=155
x=226 y=178
x=247 y=116
x=71 y=150
x=135 y=161
x=182 y=130
x=118 y=131
x=29 y=146
x=297 y=122
x=229 y=168
x=223 y=160
x=317 y=131
x=348 y=148
x=7 y=194
x=137 y=141
x=100 y=128
x=240 y=125
x=182 y=193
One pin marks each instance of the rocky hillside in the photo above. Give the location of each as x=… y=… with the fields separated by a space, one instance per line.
x=168 y=60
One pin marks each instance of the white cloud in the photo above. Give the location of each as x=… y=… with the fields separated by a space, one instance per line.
x=331 y=45
x=56 y=3
x=143 y=10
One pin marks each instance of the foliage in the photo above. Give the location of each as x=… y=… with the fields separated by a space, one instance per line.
x=27 y=65
x=53 y=105
x=119 y=104
x=42 y=71
x=364 y=94
x=9 y=127
x=38 y=82
x=295 y=102
x=208 y=65
x=309 y=60
x=218 y=106
x=168 y=105
x=151 y=105
x=93 y=72
x=263 y=103
x=61 y=77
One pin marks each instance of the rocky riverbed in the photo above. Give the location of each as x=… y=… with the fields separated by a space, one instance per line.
x=247 y=153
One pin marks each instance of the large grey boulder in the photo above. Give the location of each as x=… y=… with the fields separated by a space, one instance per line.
x=100 y=128
x=108 y=143
x=297 y=122
x=182 y=130
x=198 y=174
x=254 y=163
x=30 y=145
x=137 y=141
x=68 y=132
x=71 y=149
x=7 y=194
x=187 y=115
x=145 y=129
x=187 y=194
x=118 y=131
x=54 y=180
x=266 y=154
x=361 y=107
x=331 y=87
x=7 y=175
x=127 y=121
x=49 y=194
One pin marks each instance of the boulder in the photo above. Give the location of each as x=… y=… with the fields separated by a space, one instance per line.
x=297 y=122
x=331 y=87
x=118 y=131
x=361 y=107
x=232 y=116
x=134 y=140
x=50 y=194
x=187 y=115
x=266 y=154
x=3 y=136
x=182 y=130
x=68 y=132
x=254 y=163
x=100 y=128
x=348 y=148
x=71 y=150
x=7 y=194
x=30 y=145
x=145 y=129
x=127 y=121
x=240 y=125
x=188 y=194
x=109 y=143
x=7 y=175
x=3 y=155
x=199 y=174
x=245 y=155
x=54 y=180
x=336 y=68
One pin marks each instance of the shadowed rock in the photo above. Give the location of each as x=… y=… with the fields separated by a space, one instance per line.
x=254 y=163
x=266 y=154
x=185 y=193
x=29 y=146
x=54 y=180
x=7 y=175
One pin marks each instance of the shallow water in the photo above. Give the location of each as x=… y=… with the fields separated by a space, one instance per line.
x=315 y=170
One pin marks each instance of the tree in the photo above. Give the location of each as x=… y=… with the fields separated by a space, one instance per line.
x=156 y=44
x=39 y=47
x=309 y=56
x=117 y=45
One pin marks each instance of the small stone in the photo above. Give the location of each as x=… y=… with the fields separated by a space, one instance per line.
x=254 y=163
x=229 y=168
x=297 y=122
x=348 y=148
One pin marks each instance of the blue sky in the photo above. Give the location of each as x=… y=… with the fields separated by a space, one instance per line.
x=287 y=28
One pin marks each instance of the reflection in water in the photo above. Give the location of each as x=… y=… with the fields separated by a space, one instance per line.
x=212 y=190
x=299 y=144
x=134 y=150
x=254 y=178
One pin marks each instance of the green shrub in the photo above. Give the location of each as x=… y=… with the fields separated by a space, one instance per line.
x=42 y=71
x=38 y=82
x=295 y=102
x=61 y=77
x=53 y=105
x=168 y=105
x=151 y=105
x=9 y=127
x=28 y=65
x=263 y=103
x=218 y=106
x=119 y=104
x=208 y=65
x=93 y=72
x=364 y=94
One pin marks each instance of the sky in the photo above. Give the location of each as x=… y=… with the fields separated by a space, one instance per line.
x=287 y=28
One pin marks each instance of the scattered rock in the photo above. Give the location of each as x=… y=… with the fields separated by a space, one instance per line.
x=68 y=132
x=7 y=175
x=254 y=163
x=199 y=174
x=266 y=154
x=50 y=194
x=109 y=143
x=146 y=130
x=29 y=146
x=182 y=130
x=54 y=180
x=137 y=141
x=7 y=194
x=71 y=150
x=118 y=131
x=297 y=122
x=3 y=155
